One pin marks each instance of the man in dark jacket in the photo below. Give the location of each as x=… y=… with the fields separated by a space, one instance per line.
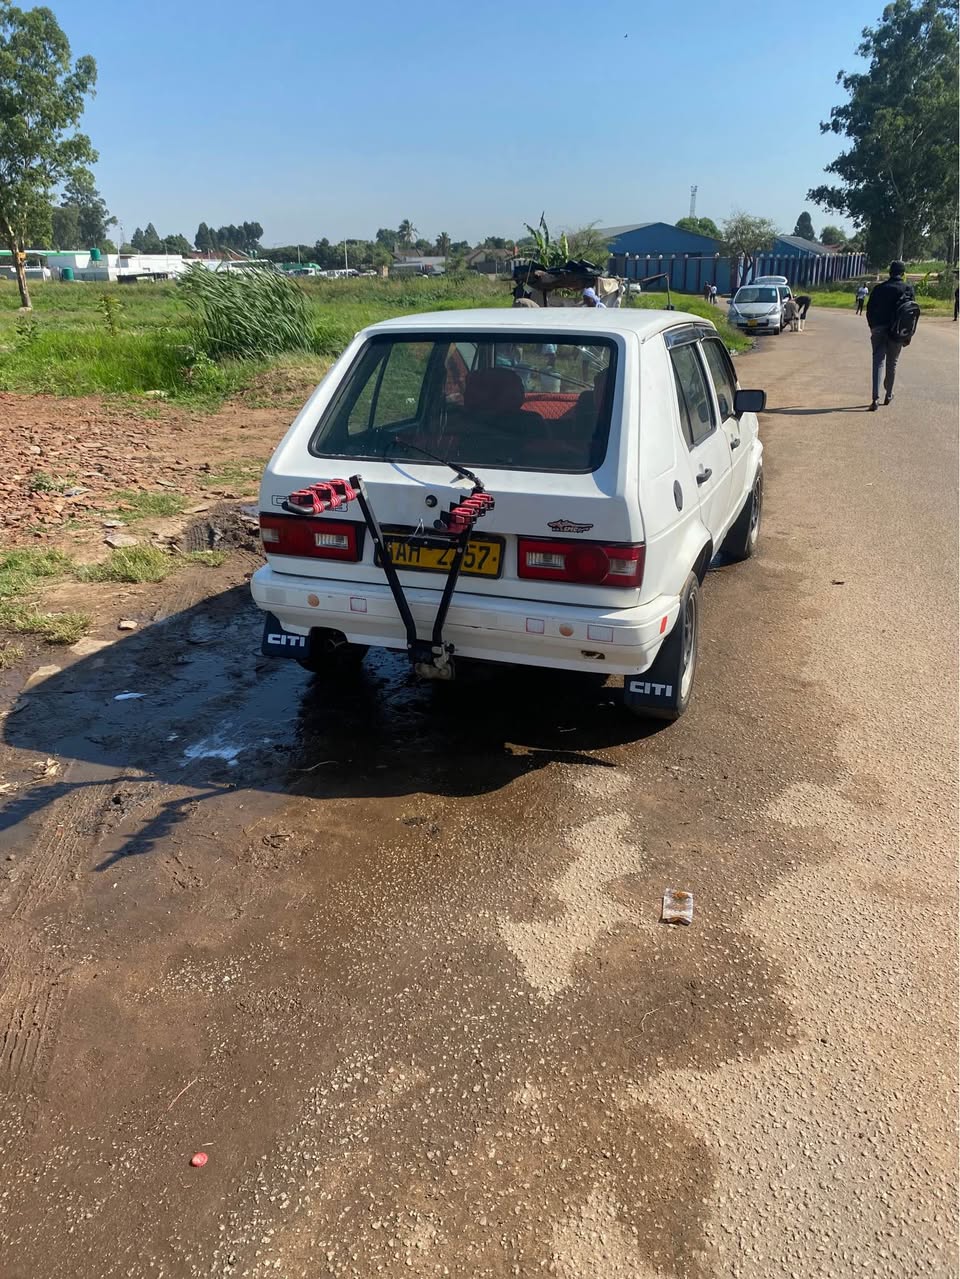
x=881 y=311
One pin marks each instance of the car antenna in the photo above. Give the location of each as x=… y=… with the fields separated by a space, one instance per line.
x=444 y=461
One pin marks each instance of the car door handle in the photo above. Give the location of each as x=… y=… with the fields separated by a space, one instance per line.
x=703 y=476
x=735 y=443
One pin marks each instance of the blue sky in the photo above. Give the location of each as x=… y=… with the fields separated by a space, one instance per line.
x=328 y=120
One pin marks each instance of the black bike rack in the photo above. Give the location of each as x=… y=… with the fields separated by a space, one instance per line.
x=433 y=658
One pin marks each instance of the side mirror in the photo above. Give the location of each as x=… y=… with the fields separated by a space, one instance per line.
x=749 y=402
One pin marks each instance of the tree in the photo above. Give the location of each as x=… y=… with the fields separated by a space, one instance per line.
x=93 y=216
x=898 y=176
x=42 y=96
x=137 y=241
x=387 y=239
x=833 y=235
x=177 y=244
x=804 y=228
x=406 y=233
x=588 y=243
x=700 y=226
x=251 y=235
x=443 y=245
x=203 y=240
x=151 y=240
x=65 y=227
x=745 y=236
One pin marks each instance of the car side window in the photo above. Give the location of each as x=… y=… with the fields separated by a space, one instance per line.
x=696 y=407
x=718 y=362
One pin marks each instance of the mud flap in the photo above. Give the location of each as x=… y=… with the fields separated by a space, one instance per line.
x=277 y=642
x=647 y=691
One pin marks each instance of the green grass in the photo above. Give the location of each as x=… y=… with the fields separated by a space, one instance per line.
x=21 y=576
x=66 y=348
x=843 y=300
x=239 y=473
x=10 y=654
x=129 y=564
x=692 y=304
x=210 y=559
x=143 y=564
x=24 y=572
x=55 y=628
x=146 y=505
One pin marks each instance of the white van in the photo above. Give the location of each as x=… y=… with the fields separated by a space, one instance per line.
x=537 y=486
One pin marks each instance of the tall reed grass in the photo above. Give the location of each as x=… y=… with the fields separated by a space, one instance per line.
x=250 y=313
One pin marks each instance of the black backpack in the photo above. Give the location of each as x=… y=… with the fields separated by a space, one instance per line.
x=905 y=319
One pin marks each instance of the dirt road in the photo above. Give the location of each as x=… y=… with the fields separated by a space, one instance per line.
x=389 y=955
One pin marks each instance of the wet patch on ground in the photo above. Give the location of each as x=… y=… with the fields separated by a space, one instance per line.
x=388 y=952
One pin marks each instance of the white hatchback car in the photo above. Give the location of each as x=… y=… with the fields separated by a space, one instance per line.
x=544 y=487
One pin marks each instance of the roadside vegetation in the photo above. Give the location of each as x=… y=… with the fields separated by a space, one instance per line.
x=696 y=305
x=207 y=338
x=933 y=282
x=25 y=573
x=217 y=334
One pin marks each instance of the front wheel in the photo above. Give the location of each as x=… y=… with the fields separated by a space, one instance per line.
x=664 y=691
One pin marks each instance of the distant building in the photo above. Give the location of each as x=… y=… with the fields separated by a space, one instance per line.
x=413 y=262
x=491 y=261
x=91 y=264
x=689 y=260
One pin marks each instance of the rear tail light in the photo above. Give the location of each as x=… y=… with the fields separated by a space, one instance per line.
x=586 y=563
x=317 y=539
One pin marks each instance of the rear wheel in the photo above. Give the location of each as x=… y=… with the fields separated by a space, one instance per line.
x=330 y=654
x=744 y=535
x=664 y=691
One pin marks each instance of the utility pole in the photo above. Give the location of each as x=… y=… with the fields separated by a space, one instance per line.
x=693 y=201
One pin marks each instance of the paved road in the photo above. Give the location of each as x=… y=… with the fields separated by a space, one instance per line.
x=390 y=955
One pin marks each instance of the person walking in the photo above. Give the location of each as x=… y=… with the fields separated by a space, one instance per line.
x=861 y=298
x=713 y=294
x=803 y=301
x=882 y=309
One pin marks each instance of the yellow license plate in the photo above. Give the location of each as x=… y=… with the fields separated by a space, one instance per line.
x=751 y=324
x=482 y=558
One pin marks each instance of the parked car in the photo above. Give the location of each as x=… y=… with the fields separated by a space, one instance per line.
x=758 y=308
x=609 y=454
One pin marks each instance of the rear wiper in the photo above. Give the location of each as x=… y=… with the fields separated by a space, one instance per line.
x=444 y=461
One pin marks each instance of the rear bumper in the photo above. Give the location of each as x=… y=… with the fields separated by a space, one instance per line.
x=620 y=641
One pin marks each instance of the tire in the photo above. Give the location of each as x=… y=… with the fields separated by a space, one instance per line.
x=675 y=666
x=744 y=534
x=330 y=654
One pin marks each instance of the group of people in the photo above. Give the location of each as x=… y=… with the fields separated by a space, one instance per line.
x=710 y=294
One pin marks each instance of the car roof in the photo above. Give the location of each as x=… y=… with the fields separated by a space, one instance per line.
x=605 y=321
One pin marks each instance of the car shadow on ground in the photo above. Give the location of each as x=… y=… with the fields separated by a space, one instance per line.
x=840 y=408
x=189 y=710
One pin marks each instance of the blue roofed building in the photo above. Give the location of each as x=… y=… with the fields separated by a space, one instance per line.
x=689 y=261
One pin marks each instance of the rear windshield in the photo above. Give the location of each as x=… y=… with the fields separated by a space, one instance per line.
x=531 y=402
x=767 y=294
